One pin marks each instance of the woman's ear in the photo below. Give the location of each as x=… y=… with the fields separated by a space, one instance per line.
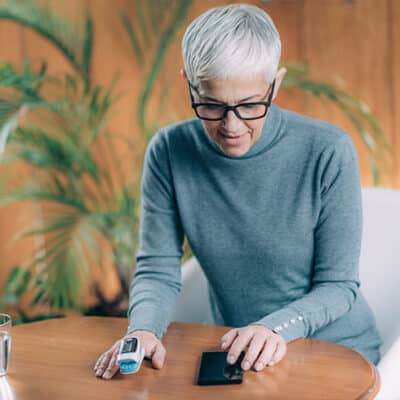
x=278 y=80
x=183 y=74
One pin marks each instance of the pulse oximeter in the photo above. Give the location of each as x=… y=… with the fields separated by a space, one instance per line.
x=130 y=355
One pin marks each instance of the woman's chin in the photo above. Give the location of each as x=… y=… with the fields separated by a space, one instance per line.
x=235 y=151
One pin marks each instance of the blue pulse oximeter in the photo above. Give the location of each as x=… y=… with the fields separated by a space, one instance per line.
x=130 y=355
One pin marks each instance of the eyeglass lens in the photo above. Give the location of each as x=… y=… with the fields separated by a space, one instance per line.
x=217 y=111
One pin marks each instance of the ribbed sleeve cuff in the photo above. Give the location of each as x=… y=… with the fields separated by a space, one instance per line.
x=147 y=319
x=285 y=322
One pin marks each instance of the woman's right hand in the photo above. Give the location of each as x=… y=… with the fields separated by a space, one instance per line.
x=106 y=366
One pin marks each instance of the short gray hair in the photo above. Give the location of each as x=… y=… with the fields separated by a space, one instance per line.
x=228 y=42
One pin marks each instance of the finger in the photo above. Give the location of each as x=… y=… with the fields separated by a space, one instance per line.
x=100 y=359
x=280 y=352
x=103 y=362
x=98 y=362
x=239 y=345
x=108 y=353
x=255 y=347
x=228 y=338
x=149 y=348
x=112 y=367
x=158 y=357
x=266 y=354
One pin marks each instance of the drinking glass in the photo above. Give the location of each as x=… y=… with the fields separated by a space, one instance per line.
x=5 y=342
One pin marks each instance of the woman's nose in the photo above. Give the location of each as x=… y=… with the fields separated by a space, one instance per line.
x=231 y=122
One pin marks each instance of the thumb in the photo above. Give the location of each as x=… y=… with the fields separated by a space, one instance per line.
x=158 y=355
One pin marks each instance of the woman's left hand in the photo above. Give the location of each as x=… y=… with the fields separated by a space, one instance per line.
x=264 y=347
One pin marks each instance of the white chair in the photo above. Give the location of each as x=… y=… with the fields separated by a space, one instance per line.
x=380 y=279
x=379 y=274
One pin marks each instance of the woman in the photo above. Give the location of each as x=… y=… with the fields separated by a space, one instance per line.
x=268 y=199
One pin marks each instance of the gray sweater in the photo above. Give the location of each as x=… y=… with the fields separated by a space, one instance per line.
x=277 y=231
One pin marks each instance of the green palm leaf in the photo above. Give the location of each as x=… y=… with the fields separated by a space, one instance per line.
x=74 y=42
x=355 y=110
x=143 y=35
x=61 y=264
x=44 y=150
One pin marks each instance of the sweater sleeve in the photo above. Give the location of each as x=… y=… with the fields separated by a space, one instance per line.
x=337 y=243
x=156 y=283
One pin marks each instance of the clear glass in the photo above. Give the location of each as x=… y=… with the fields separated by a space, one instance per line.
x=5 y=347
x=5 y=342
x=6 y=390
x=5 y=322
x=243 y=111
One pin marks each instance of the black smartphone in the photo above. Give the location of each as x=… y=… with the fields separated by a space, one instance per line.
x=214 y=369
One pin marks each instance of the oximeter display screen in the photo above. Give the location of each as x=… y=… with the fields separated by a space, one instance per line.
x=129 y=346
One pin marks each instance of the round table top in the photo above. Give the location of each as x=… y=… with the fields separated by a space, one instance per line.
x=54 y=359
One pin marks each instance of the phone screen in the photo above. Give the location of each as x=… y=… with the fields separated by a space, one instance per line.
x=214 y=369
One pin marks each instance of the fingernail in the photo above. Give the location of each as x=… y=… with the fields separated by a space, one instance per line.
x=223 y=345
x=99 y=372
x=231 y=359
x=271 y=364
x=259 y=366
x=246 y=365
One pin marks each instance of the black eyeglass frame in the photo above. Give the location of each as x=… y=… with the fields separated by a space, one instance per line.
x=228 y=108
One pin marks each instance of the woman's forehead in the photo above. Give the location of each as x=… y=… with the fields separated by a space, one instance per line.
x=233 y=90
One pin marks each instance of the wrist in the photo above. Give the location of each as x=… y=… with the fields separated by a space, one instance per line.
x=141 y=332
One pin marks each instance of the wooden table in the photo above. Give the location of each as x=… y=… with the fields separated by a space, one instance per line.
x=54 y=360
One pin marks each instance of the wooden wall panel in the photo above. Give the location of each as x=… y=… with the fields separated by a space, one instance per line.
x=394 y=80
x=288 y=18
x=10 y=39
x=348 y=41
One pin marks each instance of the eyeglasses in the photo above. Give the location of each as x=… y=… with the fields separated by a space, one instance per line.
x=218 y=111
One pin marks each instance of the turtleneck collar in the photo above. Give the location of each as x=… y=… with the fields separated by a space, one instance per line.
x=269 y=134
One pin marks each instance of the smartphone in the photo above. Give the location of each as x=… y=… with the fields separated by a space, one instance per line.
x=214 y=369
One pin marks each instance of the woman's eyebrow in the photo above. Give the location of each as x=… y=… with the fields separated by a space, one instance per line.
x=222 y=102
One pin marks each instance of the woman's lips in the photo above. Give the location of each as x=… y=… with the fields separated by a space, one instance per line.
x=231 y=139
